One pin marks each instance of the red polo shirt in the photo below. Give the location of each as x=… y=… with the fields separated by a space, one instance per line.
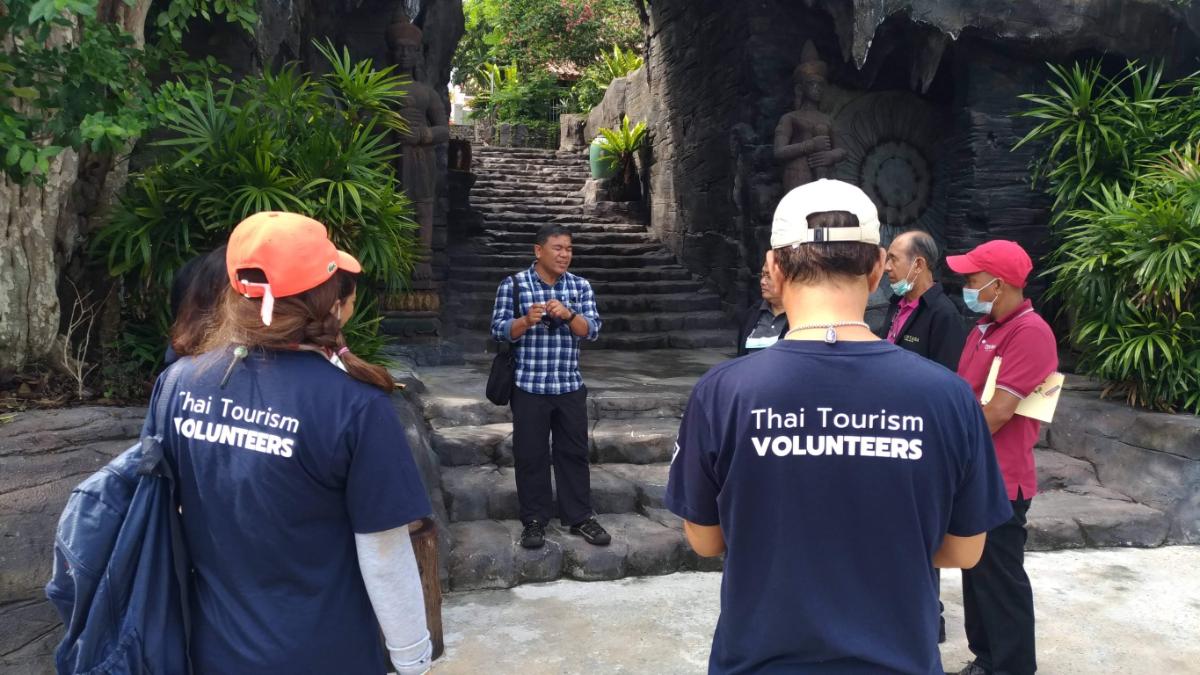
x=1029 y=354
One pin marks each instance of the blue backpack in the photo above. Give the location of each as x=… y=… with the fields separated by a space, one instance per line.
x=121 y=569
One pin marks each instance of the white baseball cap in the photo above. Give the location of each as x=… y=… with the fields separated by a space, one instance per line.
x=790 y=226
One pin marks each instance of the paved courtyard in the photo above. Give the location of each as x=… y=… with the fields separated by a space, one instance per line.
x=1126 y=611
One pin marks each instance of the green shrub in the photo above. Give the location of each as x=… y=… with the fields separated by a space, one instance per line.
x=511 y=96
x=286 y=141
x=1124 y=170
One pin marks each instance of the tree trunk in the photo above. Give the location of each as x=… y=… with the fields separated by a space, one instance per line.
x=41 y=226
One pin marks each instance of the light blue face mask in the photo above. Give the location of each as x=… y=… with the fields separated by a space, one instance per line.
x=971 y=298
x=903 y=286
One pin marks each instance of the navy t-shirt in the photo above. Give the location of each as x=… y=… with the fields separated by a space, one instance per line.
x=277 y=472
x=834 y=472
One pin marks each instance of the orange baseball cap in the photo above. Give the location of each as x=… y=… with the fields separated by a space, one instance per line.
x=293 y=252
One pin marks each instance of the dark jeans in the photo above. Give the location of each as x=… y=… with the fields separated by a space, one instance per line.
x=998 y=600
x=537 y=417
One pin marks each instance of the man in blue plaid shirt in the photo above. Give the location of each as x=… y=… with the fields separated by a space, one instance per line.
x=556 y=310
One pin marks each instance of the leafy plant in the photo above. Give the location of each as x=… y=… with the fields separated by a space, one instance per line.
x=282 y=140
x=620 y=151
x=619 y=63
x=1124 y=169
x=534 y=33
x=589 y=90
x=91 y=91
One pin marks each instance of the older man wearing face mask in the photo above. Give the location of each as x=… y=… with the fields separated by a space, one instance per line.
x=997 y=596
x=765 y=323
x=921 y=318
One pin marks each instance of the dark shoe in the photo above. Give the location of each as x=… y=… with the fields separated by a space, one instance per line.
x=941 y=630
x=534 y=535
x=973 y=669
x=591 y=532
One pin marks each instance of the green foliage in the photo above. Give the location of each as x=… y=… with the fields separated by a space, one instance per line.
x=520 y=97
x=621 y=144
x=534 y=33
x=1124 y=169
x=598 y=36
x=278 y=141
x=92 y=92
x=589 y=90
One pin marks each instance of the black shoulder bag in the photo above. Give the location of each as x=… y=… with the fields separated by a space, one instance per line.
x=504 y=366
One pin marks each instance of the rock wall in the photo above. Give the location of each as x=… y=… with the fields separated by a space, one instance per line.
x=1152 y=457
x=718 y=79
x=43 y=456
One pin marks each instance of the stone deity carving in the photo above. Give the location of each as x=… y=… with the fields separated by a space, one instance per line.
x=805 y=142
x=428 y=126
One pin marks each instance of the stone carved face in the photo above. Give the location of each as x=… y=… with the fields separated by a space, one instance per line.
x=406 y=55
x=812 y=90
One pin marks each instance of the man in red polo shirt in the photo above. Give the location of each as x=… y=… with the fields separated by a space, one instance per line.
x=997 y=597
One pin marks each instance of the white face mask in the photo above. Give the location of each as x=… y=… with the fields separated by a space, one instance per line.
x=971 y=299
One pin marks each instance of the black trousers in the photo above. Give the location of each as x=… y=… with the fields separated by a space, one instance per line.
x=998 y=600
x=537 y=417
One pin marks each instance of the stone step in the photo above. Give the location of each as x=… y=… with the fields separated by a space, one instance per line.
x=602 y=288
x=506 y=151
x=487 y=553
x=612 y=412
x=535 y=175
x=577 y=226
x=530 y=207
x=527 y=239
x=574 y=201
x=494 y=272
x=617 y=324
x=721 y=339
x=489 y=492
x=624 y=249
x=524 y=182
x=487 y=194
x=583 y=260
x=674 y=339
x=1087 y=516
x=644 y=440
x=491 y=167
x=609 y=303
x=500 y=218
x=504 y=160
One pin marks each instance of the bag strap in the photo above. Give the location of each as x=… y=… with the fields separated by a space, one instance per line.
x=516 y=304
x=155 y=463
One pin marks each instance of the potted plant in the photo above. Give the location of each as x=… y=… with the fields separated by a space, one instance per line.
x=618 y=150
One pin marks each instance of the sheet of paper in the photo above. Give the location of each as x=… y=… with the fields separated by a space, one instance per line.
x=1039 y=405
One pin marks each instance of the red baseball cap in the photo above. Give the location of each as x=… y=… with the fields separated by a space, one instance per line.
x=293 y=252
x=1003 y=259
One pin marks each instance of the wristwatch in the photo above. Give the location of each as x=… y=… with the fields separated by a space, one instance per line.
x=572 y=317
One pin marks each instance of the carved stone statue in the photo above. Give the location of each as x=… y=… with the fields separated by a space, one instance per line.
x=428 y=126
x=804 y=139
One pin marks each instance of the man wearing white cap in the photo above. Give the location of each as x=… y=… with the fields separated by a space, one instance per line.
x=833 y=469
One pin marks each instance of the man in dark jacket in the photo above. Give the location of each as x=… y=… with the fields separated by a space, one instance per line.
x=921 y=318
x=763 y=323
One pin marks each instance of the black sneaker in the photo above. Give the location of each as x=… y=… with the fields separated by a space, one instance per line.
x=941 y=630
x=973 y=668
x=534 y=535
x=591 y=532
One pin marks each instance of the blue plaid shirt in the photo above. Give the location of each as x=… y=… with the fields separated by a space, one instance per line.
x=547 y=358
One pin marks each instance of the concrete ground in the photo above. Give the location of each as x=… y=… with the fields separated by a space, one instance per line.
x=1099 y=611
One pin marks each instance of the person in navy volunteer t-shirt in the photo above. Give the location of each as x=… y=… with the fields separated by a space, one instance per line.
x=834 y=470
x=296 y=484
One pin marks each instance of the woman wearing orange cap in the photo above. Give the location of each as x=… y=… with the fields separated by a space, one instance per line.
x=296 y=484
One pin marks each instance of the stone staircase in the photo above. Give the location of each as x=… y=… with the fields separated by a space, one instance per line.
x=646 y=299
x=635 y=401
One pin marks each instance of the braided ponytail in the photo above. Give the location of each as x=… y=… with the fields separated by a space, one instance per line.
x=306 y=318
